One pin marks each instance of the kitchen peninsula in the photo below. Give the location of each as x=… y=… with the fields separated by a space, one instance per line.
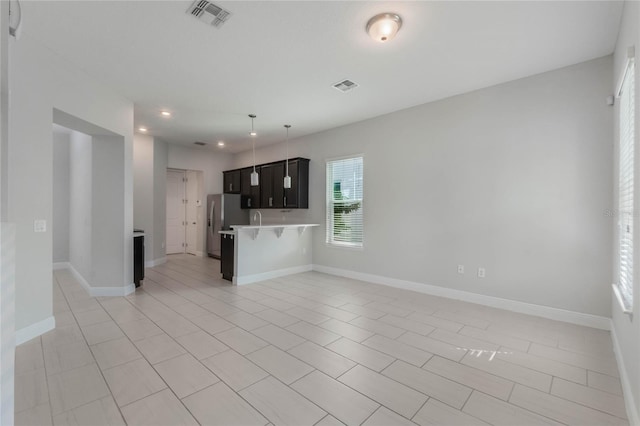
x=261 y=252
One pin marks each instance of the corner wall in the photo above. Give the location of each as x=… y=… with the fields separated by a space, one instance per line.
x=626 y=329
x=41 y=82
x=61 y=184
x=515 y=178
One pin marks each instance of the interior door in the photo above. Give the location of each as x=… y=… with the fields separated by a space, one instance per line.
x=191 y=209
x=176 y=220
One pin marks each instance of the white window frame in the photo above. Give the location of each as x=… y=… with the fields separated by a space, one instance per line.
x=625 y=94
x=330 y=219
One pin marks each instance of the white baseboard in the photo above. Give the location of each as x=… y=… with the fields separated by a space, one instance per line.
x=572 y=317
x=34 y=330
x=101 y=291
x=155 y=262
x=60 y=265
x=629 y=401
x=248 y=279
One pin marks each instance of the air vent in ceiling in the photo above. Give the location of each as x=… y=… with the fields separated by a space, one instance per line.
x=209 y=13
x=345 y=85
x=200 y=143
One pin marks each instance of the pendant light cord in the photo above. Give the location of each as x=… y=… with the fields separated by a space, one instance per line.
x=287 y=151
x=253 y=144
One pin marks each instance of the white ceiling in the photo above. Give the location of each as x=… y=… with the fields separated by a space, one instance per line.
x=278 y=59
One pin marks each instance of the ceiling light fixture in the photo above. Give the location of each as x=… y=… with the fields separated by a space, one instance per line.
x=287 y=178
x=165 y=113
x=255 y=179
x=384 y=27
x=220 y=144
x=142 y=129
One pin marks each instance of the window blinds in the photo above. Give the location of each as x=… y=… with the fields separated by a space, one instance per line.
x=344 y=202
x=625 y=184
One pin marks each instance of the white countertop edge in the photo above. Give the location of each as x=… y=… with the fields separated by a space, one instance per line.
x=282 y=225
x=227 y=232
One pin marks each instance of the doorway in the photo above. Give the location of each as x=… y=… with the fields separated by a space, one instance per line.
x=184 y=218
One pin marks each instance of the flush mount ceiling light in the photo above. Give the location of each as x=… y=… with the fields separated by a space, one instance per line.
x=255 y=179
x=220 y=144
x=165 y=113
x=142 y=129
x=384 y=27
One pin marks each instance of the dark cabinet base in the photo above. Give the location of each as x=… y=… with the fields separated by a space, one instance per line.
x=227 y=256
x=138 y=259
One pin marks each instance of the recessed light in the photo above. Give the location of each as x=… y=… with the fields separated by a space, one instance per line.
x=165 y=114
x=220 y=144
x=142 y=129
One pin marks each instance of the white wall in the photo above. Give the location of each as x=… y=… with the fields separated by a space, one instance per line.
x=143 y=194
x=42 y=81
x=80 y=204
x=160 y=164
x=513 y=178
x=107 y=205
x=60 y=225
x=211 y=164
x=626 y=330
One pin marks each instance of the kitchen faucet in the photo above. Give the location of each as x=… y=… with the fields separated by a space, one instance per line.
x=257 y=213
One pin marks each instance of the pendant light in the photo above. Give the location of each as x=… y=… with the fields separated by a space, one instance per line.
x=255 y=179
x=287 y=178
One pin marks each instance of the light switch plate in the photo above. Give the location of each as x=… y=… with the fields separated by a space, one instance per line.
x=39 y=225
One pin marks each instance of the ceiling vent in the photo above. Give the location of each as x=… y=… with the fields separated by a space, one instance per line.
x=200 y=143
x=209 y=13
x=345 y=85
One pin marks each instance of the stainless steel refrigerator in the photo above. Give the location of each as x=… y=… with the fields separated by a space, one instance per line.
x=223 y=210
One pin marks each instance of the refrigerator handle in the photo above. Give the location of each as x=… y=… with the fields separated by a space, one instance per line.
x=212 y=222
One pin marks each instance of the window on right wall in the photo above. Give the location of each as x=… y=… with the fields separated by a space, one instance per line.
x=626 y=102
x=345 y=202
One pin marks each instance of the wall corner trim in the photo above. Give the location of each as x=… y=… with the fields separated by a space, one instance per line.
x=557 y=314
x=248 y=279
x=97 y=291
x=629 y=402
x=34 y=330
x=155 y=262
x=60 y=265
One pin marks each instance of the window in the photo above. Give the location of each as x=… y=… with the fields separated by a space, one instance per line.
x=344 y=202
x=625 y=184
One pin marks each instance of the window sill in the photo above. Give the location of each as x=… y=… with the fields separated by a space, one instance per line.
x=626 y=309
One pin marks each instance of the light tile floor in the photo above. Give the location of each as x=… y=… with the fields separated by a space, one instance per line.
x=309 y=349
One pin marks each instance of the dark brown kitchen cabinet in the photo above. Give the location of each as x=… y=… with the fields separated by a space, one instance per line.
x=271 y=186
x=271 y=193
x=297 y=197
x=251 y=194
x=227 y=255
x=231 y=181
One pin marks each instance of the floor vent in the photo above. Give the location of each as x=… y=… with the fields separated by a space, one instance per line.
x=209 y=13
x=345 y=85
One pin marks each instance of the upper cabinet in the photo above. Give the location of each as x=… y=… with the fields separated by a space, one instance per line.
x=271 y=193
x=231 y=181
x=297 y=197
x=251 y=194
x=272 y=189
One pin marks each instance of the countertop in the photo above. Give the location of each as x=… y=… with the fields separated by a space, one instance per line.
x=272 y=225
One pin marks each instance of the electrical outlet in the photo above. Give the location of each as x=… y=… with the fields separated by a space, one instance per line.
x=481 y=273
x=461 y=269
